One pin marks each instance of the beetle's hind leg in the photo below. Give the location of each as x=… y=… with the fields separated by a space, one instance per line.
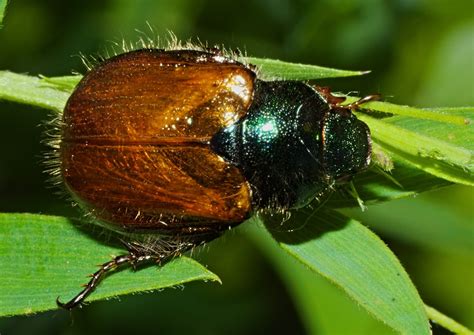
x=139 y=253
x=96 y=278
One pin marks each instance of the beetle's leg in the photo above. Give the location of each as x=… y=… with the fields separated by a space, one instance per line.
x=331 y=99
x=336 y=102
x=137 y=255
x=356 y=104
x=128 y=259
x=159 y=251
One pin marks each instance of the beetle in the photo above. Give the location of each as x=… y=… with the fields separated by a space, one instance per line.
x=186 y=144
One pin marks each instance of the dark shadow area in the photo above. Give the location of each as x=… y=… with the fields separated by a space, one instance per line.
x=304 y=225
x=374 y=187
x=101 y=235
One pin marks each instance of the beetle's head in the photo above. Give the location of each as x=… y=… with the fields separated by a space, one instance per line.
x=346 y=145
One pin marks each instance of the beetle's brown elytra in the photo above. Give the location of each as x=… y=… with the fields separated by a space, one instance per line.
x=189 y=143
x=135 y=141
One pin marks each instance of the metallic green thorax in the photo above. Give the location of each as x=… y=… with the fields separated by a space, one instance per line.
x=291 y=146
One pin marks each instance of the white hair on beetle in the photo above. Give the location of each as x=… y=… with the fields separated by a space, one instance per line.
x=151 y=40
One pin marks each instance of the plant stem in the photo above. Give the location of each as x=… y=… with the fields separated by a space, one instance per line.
x=446 y=322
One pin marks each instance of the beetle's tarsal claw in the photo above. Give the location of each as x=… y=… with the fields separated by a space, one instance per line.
x=63 y=305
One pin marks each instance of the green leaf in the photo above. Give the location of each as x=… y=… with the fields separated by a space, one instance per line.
x=64 y=83
x=356 y=260
x=31 y=90
x=3 y=7
x=452 y=110
x=43 y=257
x=458 y=135
x=446 y=154
x=323 y=307
x=445 y=115
x=272 y=68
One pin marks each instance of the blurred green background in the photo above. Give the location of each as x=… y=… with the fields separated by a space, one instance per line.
x=421 y=53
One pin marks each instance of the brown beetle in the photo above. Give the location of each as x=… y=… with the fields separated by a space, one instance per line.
x=189 y=143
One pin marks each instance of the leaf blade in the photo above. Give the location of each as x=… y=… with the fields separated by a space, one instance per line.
x=31 y=90
x=428 y=153
x=273 y=68
x=435 y=114
x=323 y=308
x=63 y=83
x=3 y=7
x=372 y=275
x=42 y=257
